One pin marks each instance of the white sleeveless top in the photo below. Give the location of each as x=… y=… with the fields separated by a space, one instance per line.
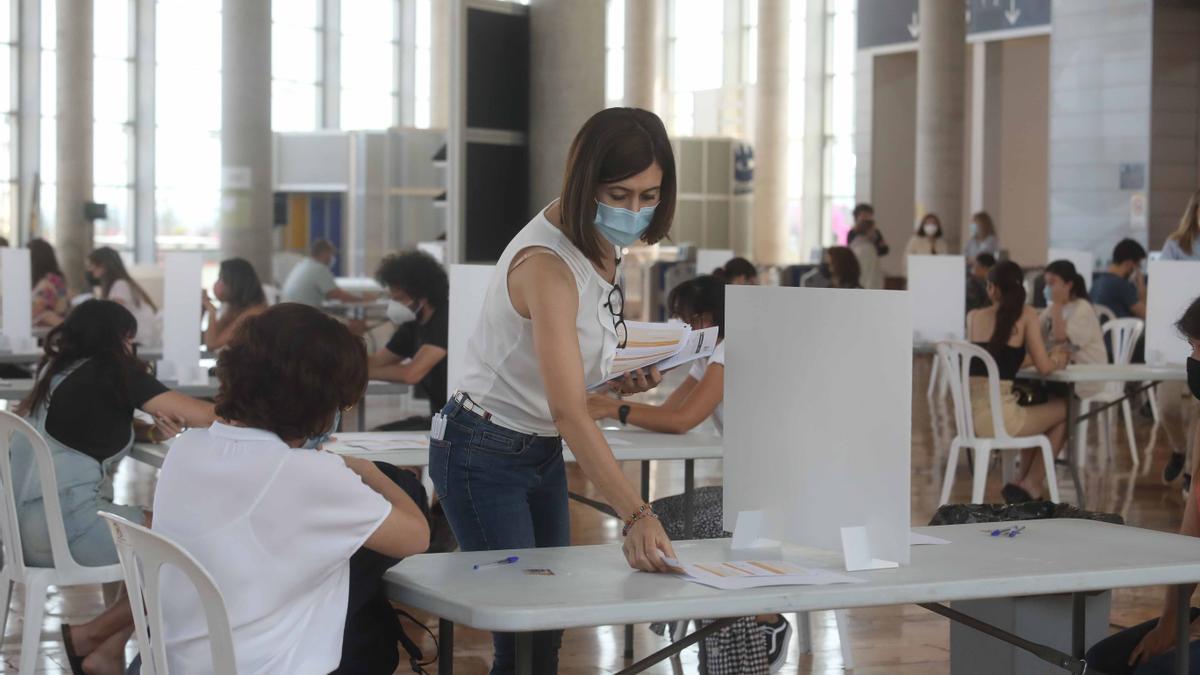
x=501 y=371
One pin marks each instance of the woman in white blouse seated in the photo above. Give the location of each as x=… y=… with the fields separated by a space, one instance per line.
x=1070 y=323
x=701 y=303
x=106 y=273
x=281 y=525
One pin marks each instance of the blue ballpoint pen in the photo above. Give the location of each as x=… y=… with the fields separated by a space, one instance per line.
x=507 y=561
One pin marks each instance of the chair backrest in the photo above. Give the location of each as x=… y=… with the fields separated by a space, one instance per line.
x=11 y=426
x=1122 y=336
x=1104 y=313
x=956 y=357
x=143 y=554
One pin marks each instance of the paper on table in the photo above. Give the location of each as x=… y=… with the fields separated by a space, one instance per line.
x=381 y=446
x=741 y=574
x=918 y=539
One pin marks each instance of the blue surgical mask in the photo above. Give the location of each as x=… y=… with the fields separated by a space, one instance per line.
x=621 y=226
x=1046 y=294
x=974 y=229
x=316 y=442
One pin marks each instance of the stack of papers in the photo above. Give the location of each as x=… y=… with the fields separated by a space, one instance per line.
x=665 y=345
x=740 y=574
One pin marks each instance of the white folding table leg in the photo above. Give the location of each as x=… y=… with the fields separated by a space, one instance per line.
x=804 y=632
x=843 y=628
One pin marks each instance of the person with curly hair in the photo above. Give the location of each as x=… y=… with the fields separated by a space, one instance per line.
x=297 y=539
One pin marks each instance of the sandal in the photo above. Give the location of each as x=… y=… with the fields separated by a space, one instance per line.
x=1015 y=494
x=74 y=660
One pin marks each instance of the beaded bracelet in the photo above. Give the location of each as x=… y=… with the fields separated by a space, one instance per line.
x=643 y=512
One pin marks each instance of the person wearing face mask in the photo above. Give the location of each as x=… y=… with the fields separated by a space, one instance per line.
x=552 y=320
x=982 y=237
x=1070 y=323
x=299 y=537
x=241 y=296
x=1149 y=648
x=311 y=281
x=88 y=385
x=1122 y=287
x=416 y=353
x=106 y=275
x=927 y=240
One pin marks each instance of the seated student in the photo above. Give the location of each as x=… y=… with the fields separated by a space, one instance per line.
x=50 y=303
x=838 y=269
x=738 y=272
x=1010 y=331
x=416 y=354
x=1122 y=287
x=701 y=303
x=977 y=297
x=311 y=281
x=106 y=272
x=1070 y=323
x=1149 y=648
x=241 y=295
x=89 y=384
x=297 y=539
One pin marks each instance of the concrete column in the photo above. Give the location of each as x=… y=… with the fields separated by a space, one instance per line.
x=246 y=133
x=941 y=83
x=29 y=112
x=770 y=226
x=641 y=53
x=439 y=84
x=566 y=85
x=74 y=132
x=813 y=225
x=145 y=217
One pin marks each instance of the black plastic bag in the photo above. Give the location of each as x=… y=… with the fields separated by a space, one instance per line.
x=959 y=514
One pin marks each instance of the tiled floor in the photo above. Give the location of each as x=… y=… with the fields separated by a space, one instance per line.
x=894 y=640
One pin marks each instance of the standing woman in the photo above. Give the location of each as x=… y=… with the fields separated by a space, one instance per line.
x=1182 y=244
x=983 y=237
x=927 y=240
x=241 y=295
x=50 y=303
x=549 y=329
x=106 y=271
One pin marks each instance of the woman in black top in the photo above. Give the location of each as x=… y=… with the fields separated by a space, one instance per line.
x=89 y=383
x=1011 y=332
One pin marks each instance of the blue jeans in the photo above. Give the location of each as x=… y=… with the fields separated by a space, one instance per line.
x=1111 y=655
x=502 y=489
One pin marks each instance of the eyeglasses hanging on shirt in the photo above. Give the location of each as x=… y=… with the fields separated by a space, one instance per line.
x=616 y=307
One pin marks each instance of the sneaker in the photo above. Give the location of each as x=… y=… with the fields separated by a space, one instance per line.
x=778 y=635
x=1174 y=467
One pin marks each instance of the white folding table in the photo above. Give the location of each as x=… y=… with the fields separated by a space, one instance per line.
x=1145 y=374
x=592 y=585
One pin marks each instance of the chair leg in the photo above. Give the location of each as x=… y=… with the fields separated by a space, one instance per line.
x=7 y=606
x=1051 y=476
x=933 y=378
x=31 y=630
x=1133 y=448
x=804 y=631
x=951 y=469
x=979 y=480
x=1152 y=394
x=843 y=628
x=1081 y=437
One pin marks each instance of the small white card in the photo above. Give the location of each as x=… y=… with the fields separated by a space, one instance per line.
x=918 y=539
x=747 y=533
x=856 y=548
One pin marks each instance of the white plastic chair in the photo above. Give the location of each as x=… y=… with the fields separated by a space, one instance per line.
x=143 y=554
x=1122 y=336
x=1104 y=314
x=37 y=580
x=956 y=363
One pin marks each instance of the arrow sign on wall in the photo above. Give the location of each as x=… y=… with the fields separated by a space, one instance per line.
x=1012 y=13
x=914 y=26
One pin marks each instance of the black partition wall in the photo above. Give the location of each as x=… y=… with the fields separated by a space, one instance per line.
x=489 y=127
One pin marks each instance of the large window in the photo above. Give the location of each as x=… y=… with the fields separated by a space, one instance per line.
x=841 y=46
x=8 y=120
x=48 y=173
x=369 y=96
x=795 y=113
x=695 y=37
x=423 y=65
x=295 y=64
x=112 y=131
x=614 y=53
x=188 y=141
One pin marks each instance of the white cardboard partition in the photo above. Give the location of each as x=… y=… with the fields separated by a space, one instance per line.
x=468 y=288
x=938 y=286
x=1171 y=287
x=18 y=299
x=1084 y=262
x=818 y=403
x=709 y=259
x=181 y=318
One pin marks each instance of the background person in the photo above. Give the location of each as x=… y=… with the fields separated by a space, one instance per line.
x=1070 y=323
x=50 y=301
x=977 y=296
x=982 y=236
x=311 y=281
x=106 y=271
x=1122 y=287
x=241 y=296
x=927 y=239
x=1181 y=245
x=738 y=272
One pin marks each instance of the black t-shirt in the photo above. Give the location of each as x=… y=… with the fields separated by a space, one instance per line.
x=410 y=337
x=91 y=412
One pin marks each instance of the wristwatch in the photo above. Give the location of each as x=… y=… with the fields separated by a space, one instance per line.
x=623 y=414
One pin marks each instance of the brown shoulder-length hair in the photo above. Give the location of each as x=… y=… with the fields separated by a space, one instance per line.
x=289 y=370
x=844 y=267
x=613 y=145
x=1189 y=225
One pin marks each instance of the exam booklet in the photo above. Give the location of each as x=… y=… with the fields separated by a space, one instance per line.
x=739 y=574
x=665 y=345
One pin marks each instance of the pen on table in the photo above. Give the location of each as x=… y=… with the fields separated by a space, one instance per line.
x=507 y=561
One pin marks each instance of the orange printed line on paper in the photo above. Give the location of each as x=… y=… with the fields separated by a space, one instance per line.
x=712 y=571
x=769 y=568
x=740 y=570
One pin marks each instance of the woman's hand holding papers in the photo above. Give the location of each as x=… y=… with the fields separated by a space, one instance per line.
x=646 y=544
